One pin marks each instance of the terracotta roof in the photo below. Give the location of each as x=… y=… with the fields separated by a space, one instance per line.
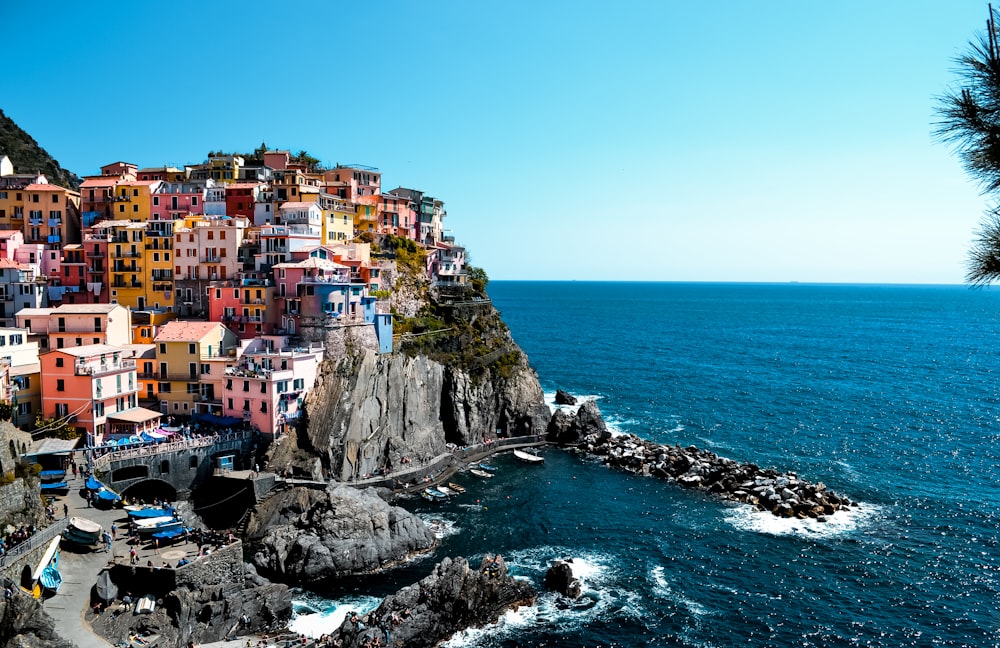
x=45 y=187
x=7 y=263
x=185 y=331
x=8 y=233
x=297 y=205
x=100 y=181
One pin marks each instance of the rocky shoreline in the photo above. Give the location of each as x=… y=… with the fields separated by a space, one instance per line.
x=781 y=493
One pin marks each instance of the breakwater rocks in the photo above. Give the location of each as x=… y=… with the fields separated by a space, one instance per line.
x=453 y=598
x=312 y=537
x=783 y=494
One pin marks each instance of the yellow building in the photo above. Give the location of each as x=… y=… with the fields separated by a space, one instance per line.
x=158 y=261
x=338 y=219
x=134 y=199
x=191 y=359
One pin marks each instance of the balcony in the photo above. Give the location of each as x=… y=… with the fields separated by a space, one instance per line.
x=55 y=222
x=35 y=222
x=81 y=369
x=121 y=266
x=135 y=284
x=211 y=259
x=129 y=253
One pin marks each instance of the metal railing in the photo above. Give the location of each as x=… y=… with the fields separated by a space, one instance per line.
x=40 y=538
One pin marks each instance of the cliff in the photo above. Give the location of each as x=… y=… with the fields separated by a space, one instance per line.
x=457 y=377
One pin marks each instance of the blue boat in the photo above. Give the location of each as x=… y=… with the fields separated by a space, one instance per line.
x=488 y=468
x=52 y=487
x=171 y=534
x=93 y=484
x=52 y=475
x=151 y=512
x=50 y=580
x=433 y=495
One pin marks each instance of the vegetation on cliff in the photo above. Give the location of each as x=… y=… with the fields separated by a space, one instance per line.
x=28 y=157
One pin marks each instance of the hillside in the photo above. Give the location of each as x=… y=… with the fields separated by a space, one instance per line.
x=28 y=157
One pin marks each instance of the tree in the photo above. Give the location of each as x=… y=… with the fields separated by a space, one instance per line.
x=970 y=122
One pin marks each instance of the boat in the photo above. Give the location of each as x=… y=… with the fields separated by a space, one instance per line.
x=482 y=474
x=55 y=487
x=150 y=526
x=105 y=588
x=50 y=580
x=433 y=495
x=171 y=534
x=487 y=467
x=447 y=491
x=50 y=559
x=145 y=604
x=52 y=475
x=527 y=457
x=82 y=531
x=145 y=512
x=93 y=484
x=456 y=487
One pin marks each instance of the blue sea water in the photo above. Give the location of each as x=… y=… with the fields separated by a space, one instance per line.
x=887 y=394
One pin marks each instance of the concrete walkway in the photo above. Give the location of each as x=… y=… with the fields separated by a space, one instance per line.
x=80 y=570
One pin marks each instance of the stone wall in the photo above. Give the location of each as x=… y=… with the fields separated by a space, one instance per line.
x=20 y=503
x=220 y=567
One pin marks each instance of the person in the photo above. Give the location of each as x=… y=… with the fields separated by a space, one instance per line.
x=65 y=509
x=133 y=556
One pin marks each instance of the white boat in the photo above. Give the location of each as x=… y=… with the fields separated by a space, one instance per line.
x=82 y=531
x=527 y=457
x=482 y=474
x=447 y=491
x=145 y=604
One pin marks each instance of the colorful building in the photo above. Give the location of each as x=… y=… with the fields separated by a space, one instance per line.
x=20 y=376
x=269 y=383
x=191 y=358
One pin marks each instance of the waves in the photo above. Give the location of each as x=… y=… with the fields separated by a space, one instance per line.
x=313 y=615
x=842 y=523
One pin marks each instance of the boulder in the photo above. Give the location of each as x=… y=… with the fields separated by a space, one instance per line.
x=559 y=578
x=564 y=398
x=452 y=598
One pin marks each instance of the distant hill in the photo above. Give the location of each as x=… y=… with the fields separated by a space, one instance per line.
x=28 y=157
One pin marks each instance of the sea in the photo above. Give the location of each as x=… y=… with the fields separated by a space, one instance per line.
x=888 y=394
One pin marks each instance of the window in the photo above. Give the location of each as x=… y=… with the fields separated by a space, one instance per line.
x=97 y=325
x=163 y=347
x=156 y=200
x=191 y=348
x=263 y=387
x=206 y=369
x=194 y=200
x=263 y=407
x=59 y=361
x=60 y=385
x=246 y=406
x=246 y=385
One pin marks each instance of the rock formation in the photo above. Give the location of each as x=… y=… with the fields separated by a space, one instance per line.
x=453 y=598
x=212 y=598
x=564 y=398
x=783 y=494
x=559 y=578
x=370 y=414
x=24 y=624
x=312 y=536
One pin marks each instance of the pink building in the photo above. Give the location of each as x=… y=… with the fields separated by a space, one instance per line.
x=270 y=382
x=177 y=199
x=95 y=388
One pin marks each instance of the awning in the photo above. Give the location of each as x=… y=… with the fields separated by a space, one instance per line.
x=135 y=415
x=52 y=446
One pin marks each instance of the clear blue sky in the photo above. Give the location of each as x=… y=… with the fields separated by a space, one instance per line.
x=694 y=141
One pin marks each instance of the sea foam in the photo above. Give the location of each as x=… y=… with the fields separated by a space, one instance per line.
x=842 y=522
x=314 y=616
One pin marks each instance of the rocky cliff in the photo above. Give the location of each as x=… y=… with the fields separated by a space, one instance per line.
x=24 y=624
x=456 y=377
x=310 y=536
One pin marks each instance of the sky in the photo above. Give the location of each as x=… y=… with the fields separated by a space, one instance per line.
x=656 y=141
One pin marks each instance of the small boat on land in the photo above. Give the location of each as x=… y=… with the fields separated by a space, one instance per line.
x=487 y=468
x=145 y=604
x=60 y=488
x=146 y=512
x=50 y=580
x=456 y=487
x=151 y=526
x=171 y=534
x=52 y=475
x=482 y=474
x=82 y=531
x=527 y=457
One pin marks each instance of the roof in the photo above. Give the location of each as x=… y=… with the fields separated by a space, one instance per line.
x=185 y=331
x=44 y=187
x=136 y=415
x=85 y=308
x=32 y=312
x=8 y=233
x=100 y=181
x=88 y=350
x=7 y=263
x=313 y=262
x=297 y=205
x=27 y=369
x=50 y=446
